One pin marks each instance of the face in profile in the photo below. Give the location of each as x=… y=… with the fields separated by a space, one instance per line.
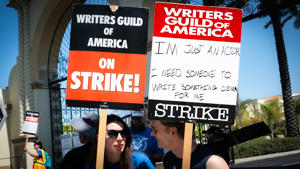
x=36 y=146
x=161 y=133
x=115 y=138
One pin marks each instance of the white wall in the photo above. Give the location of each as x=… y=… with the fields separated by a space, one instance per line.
x=41 y=102
x=4 y=142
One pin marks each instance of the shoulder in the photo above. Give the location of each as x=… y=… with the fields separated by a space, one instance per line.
x=216 y=162
x=40 y=152
x=138 y=155
x=76 y=154
x=140 y=161
x=203 y=151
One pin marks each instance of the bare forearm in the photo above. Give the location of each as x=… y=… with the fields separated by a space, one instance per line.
x=32 y=154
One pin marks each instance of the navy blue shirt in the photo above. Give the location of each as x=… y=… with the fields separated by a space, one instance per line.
x=138 y=161
x=199 y=158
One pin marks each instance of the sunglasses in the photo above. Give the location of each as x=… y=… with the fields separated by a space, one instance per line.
x=113 y=134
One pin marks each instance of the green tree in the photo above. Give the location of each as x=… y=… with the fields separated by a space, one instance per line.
x=67 y=129
x=280 y=12
x=249 y=113
x=297 y=110
x=273 y=116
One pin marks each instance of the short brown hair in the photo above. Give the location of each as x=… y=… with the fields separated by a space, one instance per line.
x=179 y=125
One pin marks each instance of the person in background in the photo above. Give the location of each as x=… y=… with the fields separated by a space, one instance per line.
x=142 y=139
x=170 y=135
x=87 y=129
x=117 y=153
x=39 y=157
x=217 y=141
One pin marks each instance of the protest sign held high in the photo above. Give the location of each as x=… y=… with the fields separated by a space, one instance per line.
x=31 y=122
x=107 y=59
x=194 y=63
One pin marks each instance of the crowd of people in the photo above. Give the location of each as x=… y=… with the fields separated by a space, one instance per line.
x=135 y=147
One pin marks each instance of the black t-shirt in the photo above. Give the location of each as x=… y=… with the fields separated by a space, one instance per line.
x=198 y=159
x=76 y=158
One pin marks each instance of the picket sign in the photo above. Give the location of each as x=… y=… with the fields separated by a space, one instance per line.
x=107 y=67
x=194 y=66
x=187 y=147
x=101 y=139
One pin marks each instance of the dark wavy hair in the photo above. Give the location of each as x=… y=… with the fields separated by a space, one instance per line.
x=125 y=161
x=38 y=143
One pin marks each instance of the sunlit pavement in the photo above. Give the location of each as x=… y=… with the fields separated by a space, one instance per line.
x=286 y=160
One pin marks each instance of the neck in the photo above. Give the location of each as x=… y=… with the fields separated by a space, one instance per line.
x=178 y=148
x=113 y=158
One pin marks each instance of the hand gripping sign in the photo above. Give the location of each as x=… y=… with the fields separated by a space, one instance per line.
x=107 y=59
x=194 y=63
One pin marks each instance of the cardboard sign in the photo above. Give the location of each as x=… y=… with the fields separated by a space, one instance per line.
x=194 y=63
x=3 y=114
x=107 y=59
x=31 y=122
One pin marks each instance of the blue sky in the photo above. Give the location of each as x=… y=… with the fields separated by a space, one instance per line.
x=258 y=73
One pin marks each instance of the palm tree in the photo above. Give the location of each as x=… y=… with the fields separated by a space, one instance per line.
x=279 y=11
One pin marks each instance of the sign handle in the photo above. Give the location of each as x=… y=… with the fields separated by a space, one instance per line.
x=101 y=139
x=187 y=147
x=26 y=141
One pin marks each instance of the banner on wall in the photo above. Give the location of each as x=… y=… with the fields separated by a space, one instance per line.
x=194 y=63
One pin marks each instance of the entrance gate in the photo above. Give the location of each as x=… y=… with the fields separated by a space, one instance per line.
x=61 y=115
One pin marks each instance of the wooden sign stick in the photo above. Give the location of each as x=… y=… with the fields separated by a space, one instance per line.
x=26 y=141
x=187 y=147
x=101 y=139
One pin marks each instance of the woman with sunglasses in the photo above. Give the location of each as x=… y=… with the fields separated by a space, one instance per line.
x=118 y=154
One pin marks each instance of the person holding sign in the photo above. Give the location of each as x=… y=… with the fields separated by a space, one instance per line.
x=170 y=135
x=86 y=127
x=118 y=154
x=39 y=159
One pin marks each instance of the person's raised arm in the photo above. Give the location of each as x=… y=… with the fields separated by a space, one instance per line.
x=32 y=154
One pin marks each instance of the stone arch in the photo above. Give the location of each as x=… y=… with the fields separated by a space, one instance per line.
x=48 y=24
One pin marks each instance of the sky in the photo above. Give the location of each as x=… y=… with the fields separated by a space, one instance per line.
x=258 y=72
